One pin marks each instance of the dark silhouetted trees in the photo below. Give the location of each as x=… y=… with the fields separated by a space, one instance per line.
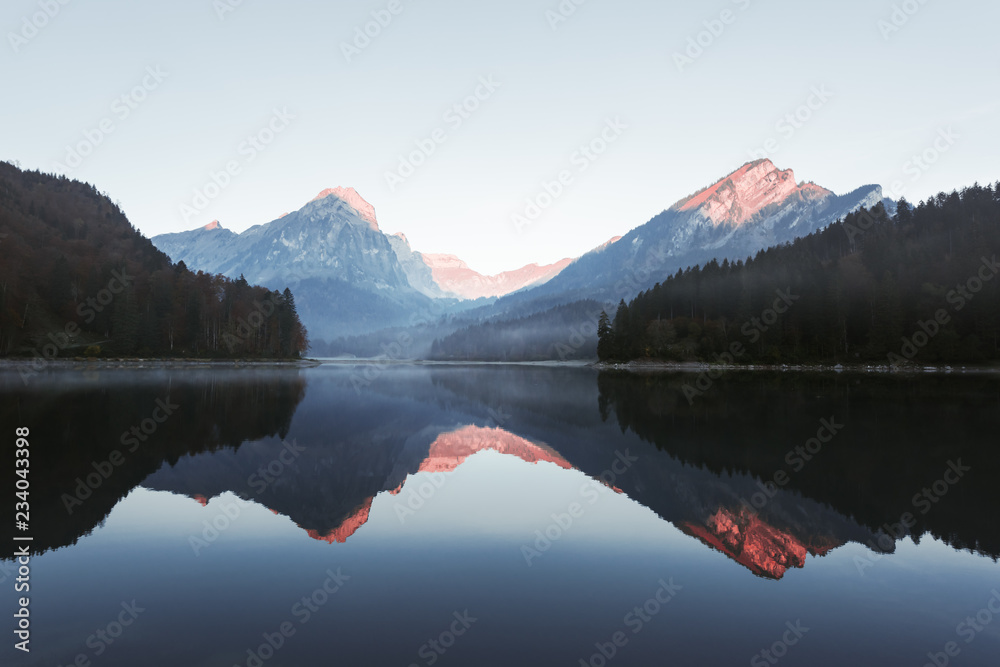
x=921 y=286
x=76 y=275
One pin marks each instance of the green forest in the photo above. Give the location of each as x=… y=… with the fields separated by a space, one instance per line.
x=77 y=279
x=919 y=287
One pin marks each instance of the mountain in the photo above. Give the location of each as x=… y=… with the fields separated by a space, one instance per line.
x=438 y=276
x=344 y=271
x=454 y=276
x=756 y=207
x=853 y=292
x=415 y=267
x=349 y=277
x=334 y=237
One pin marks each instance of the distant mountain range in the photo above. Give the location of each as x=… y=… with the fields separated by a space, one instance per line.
x=447 y=276
x=754 y=208
x=455 y=276
x=350 y=278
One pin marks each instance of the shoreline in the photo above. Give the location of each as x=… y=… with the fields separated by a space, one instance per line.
x=81 y=363
x=636 y=367
x=429 y=362
x=649 y=366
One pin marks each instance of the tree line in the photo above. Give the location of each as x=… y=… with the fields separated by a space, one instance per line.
x=78 y=279
x=921 y=286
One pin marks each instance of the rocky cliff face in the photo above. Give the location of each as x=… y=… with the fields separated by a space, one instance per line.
x=761 y=548
x=451 y=450
x=351 y=197
x=350 y=525
x=747 y=192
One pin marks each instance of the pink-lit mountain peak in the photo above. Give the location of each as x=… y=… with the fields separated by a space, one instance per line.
x=212 y=226
x=747 y=191
x=455 y=276
x=351 y=197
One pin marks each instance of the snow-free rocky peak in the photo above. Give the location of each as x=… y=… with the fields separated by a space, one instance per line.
x=454 y=276
x=351 y=197
x=747 y=191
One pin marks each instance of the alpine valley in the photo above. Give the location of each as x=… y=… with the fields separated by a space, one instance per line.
x=351 y=280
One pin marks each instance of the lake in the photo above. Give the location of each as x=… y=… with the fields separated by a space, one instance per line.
x=505 y=515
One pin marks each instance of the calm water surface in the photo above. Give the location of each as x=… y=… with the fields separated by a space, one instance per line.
x=475 y=516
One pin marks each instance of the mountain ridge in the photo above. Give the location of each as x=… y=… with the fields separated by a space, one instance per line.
x=693 y=231
x=753 y=208
x=359 y=280
x=334 y=245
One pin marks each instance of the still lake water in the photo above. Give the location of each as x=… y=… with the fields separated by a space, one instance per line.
x=478 y=516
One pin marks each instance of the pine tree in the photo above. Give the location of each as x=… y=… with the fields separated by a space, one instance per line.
x=605 y=337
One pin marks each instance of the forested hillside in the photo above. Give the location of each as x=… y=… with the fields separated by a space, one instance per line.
x=920 y=287
x=76 y=278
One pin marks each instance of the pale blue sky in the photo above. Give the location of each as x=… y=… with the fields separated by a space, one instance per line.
x=558 y=88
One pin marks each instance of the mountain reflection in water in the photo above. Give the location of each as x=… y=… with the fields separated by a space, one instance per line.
x=428 y=486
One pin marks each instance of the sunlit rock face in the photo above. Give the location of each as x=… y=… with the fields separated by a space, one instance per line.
x=349 y=526
x=761 y=548
x=447 y=276
x=747 y=192
x=455 y=277
x=351 y=197
x=451 y=450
